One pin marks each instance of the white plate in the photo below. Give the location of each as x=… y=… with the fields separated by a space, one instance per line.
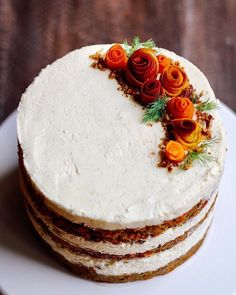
x=27 y=268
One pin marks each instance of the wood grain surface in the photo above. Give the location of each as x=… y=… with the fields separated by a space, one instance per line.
x=34 y=33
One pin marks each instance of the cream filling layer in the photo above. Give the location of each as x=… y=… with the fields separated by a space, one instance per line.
x=110 y=267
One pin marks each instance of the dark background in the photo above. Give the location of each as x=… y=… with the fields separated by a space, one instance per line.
x=34 y=33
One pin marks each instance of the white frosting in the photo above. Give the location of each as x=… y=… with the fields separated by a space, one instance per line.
x=86 y=150
x=130 y=266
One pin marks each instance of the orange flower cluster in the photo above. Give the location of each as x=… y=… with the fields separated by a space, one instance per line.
x=154 y=76
x=187 y=133
x=143 y=65
x=140 y=69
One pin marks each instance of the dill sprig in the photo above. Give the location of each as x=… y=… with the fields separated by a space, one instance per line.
x=207 y=105
x=136 y=44
x=195 y=98
x=193 y=156
x=199 y=155
x=155 y=111
x=208 y=143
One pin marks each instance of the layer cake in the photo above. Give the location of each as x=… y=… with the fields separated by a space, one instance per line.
x=99 y=185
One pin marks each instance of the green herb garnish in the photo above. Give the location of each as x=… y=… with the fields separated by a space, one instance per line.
x=195 y=98
x=199 y=155
x=136 y=44
x=155 y=111
x=194 y=156
x=207 y=105
x=208 y=143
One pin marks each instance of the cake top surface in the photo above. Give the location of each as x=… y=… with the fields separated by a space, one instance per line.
x=86 y=150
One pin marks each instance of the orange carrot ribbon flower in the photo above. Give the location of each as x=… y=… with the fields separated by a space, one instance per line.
x=174 y=80
x=174 y=151
x=187 y=132
x=142 y=66
x=116 y=58
x=150 y=90
x=180 y=107
x=164 y=62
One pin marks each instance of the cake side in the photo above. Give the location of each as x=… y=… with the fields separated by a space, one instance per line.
x=71 y=184
x=125 y=267
x=163 y=254
x=133 y=235
x=89 y=272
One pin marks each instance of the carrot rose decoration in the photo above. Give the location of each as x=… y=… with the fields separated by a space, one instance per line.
x=180 y=107
x=174 y=151
x=116 y=58
x=174 y=80
x=187 y=132
x=142 y=66
x=164 y=62
x=150 y=90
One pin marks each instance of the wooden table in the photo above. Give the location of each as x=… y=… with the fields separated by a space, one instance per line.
x=34 y=33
